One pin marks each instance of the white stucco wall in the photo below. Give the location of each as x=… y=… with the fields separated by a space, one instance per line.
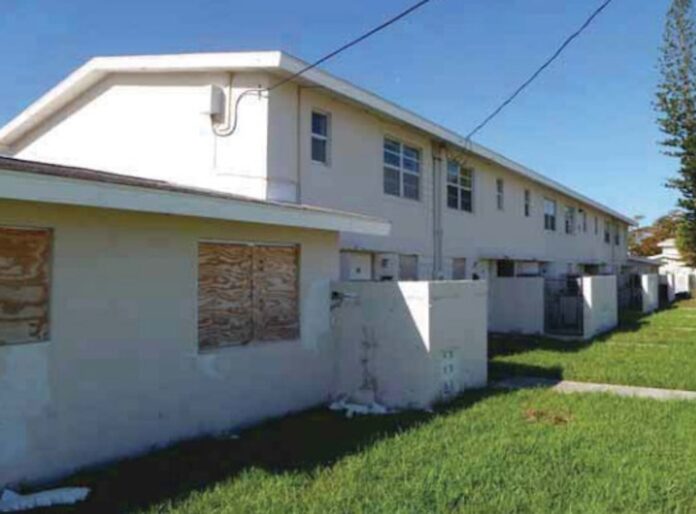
x=399 y=342
x=122 y=370
x=669 y=280
x=516 y=304
x=601 y=305
x=651 y=292
x=153 y=126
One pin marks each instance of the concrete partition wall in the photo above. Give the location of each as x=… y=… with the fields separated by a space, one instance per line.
x=651 y=292
x=669 y=281
x=516 y=305
x=601 y=305
x=409 y=344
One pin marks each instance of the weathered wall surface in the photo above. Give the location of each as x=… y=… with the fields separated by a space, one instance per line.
x=669 y=281
x=121 y=370
x=516 y=305
x=408 y=344
x=651 y=289
x=601 y=311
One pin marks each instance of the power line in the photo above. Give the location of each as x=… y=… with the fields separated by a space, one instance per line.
x=538 y=72
x=354 y=42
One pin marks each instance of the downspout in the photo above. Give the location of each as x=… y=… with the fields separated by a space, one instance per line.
x=438 y=272
x=298 y=130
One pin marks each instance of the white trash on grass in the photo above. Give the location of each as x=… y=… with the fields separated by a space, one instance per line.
x=372 y=408
x=14 y=502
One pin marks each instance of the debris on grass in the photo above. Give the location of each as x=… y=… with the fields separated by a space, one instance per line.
x=372 y=408
x=11 y=501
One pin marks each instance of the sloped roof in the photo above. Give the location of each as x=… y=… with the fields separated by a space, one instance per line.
x=43 y=182
x=276 y=62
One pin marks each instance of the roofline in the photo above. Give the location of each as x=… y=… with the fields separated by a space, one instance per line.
x=96 y=69
x=50 y=183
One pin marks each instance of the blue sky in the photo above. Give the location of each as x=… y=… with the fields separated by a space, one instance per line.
x=587 y=122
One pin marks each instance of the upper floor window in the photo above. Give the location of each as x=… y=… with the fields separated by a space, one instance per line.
x=617 y=235
x=596 y=225
x=500 y=194
x=460 y=187
x=527 y=203
x=321 y=128
x=401 y=170
x=570 y=220
x=607 y=232
x=549 y=214
x=583 y=220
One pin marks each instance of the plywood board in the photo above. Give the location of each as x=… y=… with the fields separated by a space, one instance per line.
x=25 y=257
x=224 y=294
x=276 y=315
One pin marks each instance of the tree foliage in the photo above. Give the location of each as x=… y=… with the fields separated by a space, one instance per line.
x=644 y=241
x=676 y=103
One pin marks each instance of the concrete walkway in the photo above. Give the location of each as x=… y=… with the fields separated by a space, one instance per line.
x=567 y=386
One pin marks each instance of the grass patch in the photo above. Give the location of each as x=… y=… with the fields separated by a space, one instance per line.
x=653 y=351
x=525 y=451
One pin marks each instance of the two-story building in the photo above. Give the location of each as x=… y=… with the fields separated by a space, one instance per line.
x=217 y=121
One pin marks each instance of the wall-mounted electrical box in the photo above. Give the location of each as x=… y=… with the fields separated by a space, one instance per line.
x=213 y=101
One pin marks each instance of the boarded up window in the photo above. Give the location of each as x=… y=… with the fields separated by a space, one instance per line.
x=408 y=267
x=25 y=257
x=247 y=293
x=459 y=269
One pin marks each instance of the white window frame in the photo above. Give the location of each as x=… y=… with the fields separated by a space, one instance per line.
x=553 y=217
x=460 y=187
x=500 y=194
x=527 y=203
x=569 y=220
x=326 y=138
x=401 y=169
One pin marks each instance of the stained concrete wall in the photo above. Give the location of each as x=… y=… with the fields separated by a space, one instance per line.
x=122 y=370
x=651 y=292
x=669 y=280
x=409 y=344
x=601 y=310
x=516 y=304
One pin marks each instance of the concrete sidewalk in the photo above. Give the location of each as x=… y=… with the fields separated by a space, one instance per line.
x=567 y=386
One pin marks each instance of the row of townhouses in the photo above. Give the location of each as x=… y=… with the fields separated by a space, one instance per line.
x=458 y=210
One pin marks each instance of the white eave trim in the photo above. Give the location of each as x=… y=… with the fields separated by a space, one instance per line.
x=96 y=69
x=67 y=191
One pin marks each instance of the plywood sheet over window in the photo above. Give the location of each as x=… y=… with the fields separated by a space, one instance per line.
x=25 y=257
x=247 y=293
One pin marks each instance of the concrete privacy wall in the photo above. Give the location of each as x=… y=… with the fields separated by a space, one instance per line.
x=682 y=282
x=516 y=305
x=122 y=370
x=651 y=292
x=601 y=305
x=669 y=280
x=408 y=344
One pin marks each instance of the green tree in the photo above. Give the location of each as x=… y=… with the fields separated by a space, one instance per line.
x=676 y=103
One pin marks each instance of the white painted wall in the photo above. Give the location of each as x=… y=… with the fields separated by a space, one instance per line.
x=396 y=341
x=151 y=125
x=651 y=292
x=516 y=305
x=601 y=305
x=122 y=370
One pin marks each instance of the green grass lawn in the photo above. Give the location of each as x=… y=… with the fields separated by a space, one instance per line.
x=524 y=451
x=658 y=350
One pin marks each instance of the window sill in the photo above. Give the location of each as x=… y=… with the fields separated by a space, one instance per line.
x=240 y=347
x=25 y=343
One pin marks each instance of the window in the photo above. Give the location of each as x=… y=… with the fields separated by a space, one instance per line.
x=459 y=187
x=401 y=170
x=617 y=235
x=570 y=220
x=527 y=203
x=25 y=257
x=549 y=214
x=247 y=293
x=506 y=268
x=607 y=232
x=320 y=137
x=500 y=194
x=596 y=225
x=408 y=267
x=458 y=269
x=583 y=220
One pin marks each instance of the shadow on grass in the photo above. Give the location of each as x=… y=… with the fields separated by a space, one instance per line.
x=298 y=442
x=500 y=370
